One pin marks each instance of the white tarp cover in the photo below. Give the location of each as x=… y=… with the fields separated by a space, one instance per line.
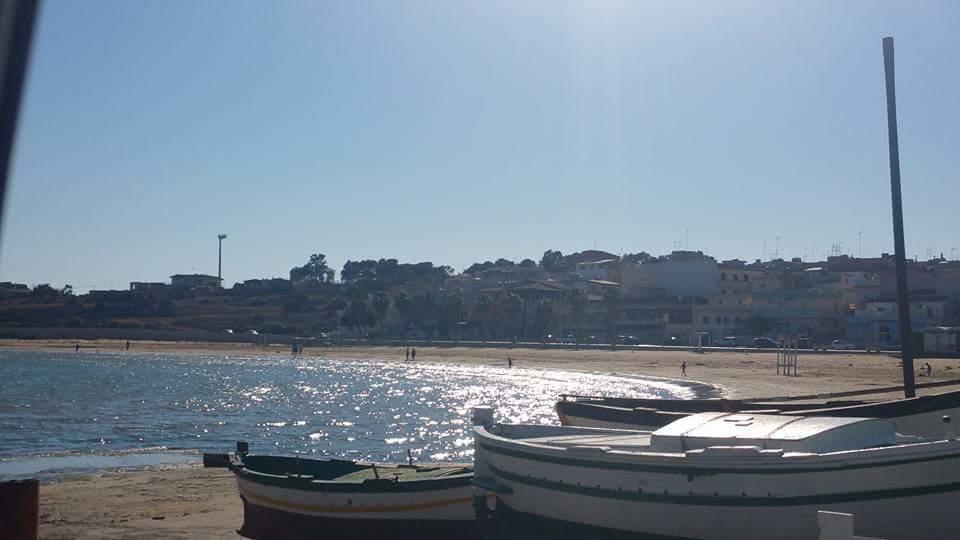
x=790 y=433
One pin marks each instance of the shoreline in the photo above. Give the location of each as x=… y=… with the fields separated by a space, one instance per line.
x=749 y=374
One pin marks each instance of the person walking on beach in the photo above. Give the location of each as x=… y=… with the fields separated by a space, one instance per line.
x=407 y=358
x=128 y=344
x=509 y=362
x=928 y=367
x=683 y=369
x=76 y=348
x=413 y=354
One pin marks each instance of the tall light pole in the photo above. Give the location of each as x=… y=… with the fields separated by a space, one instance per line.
x=860 y=243
x=220 y=238
x=899 y=249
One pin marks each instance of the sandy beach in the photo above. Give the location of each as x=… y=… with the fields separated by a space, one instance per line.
x=198 y=503
x=736 y=374
x=177 y=503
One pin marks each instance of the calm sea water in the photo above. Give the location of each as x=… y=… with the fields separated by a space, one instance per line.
x=61 y=412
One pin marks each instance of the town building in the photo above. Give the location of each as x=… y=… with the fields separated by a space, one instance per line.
x=195 y=281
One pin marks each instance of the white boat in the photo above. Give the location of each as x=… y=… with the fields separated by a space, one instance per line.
x=717 y=476
x=911 y=416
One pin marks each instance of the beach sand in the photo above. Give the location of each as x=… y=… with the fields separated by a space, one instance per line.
x=197 y=503
x=736 y=374
x=176 y=503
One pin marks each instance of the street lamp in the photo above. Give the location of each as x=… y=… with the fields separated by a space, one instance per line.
x=220 y=238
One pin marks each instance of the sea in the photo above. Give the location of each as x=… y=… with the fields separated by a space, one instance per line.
x=64 y=413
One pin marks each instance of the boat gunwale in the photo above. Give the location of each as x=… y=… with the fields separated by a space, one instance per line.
x=774 y=465
x=368 y=485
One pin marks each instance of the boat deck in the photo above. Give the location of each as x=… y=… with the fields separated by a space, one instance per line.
x=402 y=474
x=625 y=441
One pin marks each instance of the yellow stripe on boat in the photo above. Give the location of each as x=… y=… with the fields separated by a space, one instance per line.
x=356 y=509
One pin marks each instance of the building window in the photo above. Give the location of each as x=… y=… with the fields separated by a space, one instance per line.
x=723 y=291
x=706 y=320
x=746 y=277
x=723 y=276
x=726 y=320
x=720 y=301
x=718 y=319
x=736 y=277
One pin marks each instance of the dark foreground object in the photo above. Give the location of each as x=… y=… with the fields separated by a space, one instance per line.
x=19 y=509
x=509 y=524
x=262 y=522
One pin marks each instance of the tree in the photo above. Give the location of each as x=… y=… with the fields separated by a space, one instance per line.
x=44 y=290
x=357 y=315
x=357 y=270
x=476 y=268
x=637 y=258
x=578 y=304
x=528 y=263
x=403 y=304
x=67 y=290
x=513 y=306
x=482 y=312
x=316 y=270
x=381 y=303
x=552 y=261
x=542 y=317
x=449 y=311
x=611 y=301
x=504 y=262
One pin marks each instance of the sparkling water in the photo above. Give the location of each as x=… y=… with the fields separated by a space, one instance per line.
x=61 y=412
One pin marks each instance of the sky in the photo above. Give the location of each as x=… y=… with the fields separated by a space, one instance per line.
x=456 y=132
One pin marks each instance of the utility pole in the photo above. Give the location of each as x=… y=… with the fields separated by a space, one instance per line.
x=220 y=238
x=860 y=243
x=899 y=249
x=686 y=239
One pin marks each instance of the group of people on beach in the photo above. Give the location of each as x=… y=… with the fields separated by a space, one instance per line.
x=411 y=354
x=296 y=350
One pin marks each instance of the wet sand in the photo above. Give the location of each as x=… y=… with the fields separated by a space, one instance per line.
x=198 y=503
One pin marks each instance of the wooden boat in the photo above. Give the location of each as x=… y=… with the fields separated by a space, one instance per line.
x=913 y=416
x=291 y=497
x=715 y=475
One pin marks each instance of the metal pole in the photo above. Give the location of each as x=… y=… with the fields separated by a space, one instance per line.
x=220 y=238
x=17 y=18
x=903 y=301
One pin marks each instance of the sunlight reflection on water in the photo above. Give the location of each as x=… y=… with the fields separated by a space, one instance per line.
x=55 y=402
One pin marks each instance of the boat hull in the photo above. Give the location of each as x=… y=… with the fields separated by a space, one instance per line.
x=272 y=511
x=904 y=496
x=921 y=416
x=261 y=521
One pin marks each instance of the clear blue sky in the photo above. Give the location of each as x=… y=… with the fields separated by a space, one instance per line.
x=462 y=131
